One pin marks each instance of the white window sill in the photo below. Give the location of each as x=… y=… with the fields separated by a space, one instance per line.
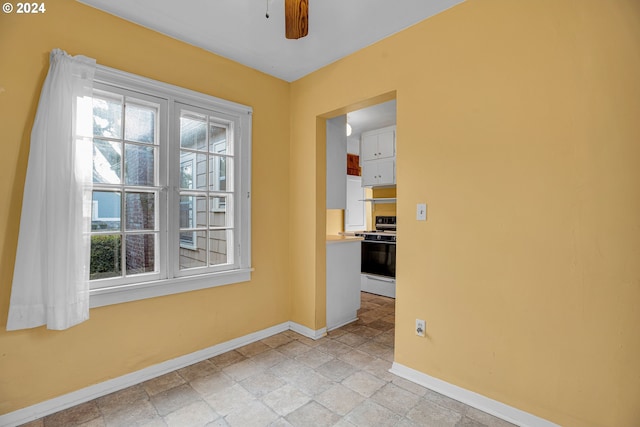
x=127 y=293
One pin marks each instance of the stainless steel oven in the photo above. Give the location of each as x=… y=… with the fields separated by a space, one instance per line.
x=379 y=258
x=379 y=248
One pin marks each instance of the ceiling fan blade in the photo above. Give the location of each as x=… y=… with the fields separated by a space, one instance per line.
x=296 y=14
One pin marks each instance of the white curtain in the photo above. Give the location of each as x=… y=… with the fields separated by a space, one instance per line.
x=51 y=274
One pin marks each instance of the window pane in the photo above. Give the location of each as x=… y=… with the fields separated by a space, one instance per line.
x=105 y=213
x=107 y=162
x=196 y=256
x=105 y=256
x=220 y=213
x=193 y=212
x=140 y=213
x=220 y=244
x=140 y=123
x=218 y=139
x=193 y=171
x=187 y=170
x=218 y=173
x=193 y=132
x=140 y=255
x=139 y=165
x=107 y=117
x=201 y=172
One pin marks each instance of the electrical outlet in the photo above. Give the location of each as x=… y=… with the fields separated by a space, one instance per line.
x=420 y=327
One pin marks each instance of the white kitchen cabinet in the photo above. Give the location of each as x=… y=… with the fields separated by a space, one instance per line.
x=343 y=282
x=379 y=143
x=378 y=173
x=355 y=214
x=378 y=148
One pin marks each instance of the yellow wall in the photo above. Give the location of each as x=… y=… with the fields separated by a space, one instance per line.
x=518 y=125
x=37 y=364
x=383 y=209
x=335 y=221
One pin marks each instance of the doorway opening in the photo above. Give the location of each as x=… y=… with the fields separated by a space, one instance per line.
x=367 y=190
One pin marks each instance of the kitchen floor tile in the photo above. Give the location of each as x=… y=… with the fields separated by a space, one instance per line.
x=74 y=416
x=230 y=399
x=225 y=359
x=255 y=414
x=339 y=399
x=174 y=399
x=364 y=383
x=314 y=358
x=253 y=349
x=427 y=413
x=397 y=399
x=286 y=399
x=369 y=413
x=195 y=414
x=261 y=384
x=198 y=370
x=162 y=383
x=211 y=384
x=137 y=413
x=312 y=414
x=336 y=369
x=357 y=358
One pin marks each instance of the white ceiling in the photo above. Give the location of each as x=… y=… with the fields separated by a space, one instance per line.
x=370 y=118
x=239 y=30
x=374 y=117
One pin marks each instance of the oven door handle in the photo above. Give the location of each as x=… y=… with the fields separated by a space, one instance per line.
x=380 y=278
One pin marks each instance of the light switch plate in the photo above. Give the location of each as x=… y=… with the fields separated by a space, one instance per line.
x=421 y=212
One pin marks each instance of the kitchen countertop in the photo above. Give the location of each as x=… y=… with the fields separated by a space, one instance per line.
x=335 y=238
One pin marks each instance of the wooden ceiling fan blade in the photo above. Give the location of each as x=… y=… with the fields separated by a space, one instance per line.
x=296 y=17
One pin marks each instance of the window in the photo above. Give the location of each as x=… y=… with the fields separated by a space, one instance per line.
x=125 y=223
x=206 y=223
x=171 y=195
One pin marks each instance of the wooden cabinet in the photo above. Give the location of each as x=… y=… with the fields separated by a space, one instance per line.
x=378 y=155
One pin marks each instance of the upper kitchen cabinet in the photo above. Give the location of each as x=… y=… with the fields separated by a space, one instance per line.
x=379 y=173
x=379 y=143
x=378 y=149
x=337 y=163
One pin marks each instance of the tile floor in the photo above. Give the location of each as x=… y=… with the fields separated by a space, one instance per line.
x=286 y=380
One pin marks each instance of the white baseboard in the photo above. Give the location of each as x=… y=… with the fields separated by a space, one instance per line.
x=307 y=332
x=86 y=394
x=478 y=401
x=341 y=323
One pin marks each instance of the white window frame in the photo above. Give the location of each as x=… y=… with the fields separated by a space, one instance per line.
x=171 y=280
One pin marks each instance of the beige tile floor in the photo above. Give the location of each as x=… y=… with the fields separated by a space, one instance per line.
x=287 y=379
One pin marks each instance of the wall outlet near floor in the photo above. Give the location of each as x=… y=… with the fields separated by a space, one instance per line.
x=420 y=327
